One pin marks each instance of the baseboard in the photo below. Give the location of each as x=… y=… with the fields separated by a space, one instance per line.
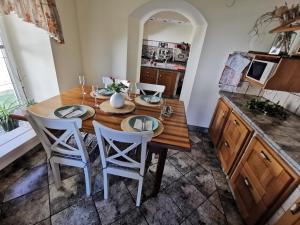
x=198 y=129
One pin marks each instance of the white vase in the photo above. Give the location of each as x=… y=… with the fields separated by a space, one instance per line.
x=117 y=100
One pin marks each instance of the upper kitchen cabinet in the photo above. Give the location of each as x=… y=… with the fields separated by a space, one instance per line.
x=274 y=72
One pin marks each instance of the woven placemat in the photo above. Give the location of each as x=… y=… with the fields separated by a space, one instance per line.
x=103 y=97
x=126 y=127
x=142 y=102
x=127 y=108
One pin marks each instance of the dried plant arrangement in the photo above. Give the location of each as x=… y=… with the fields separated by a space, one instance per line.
x=282 y=14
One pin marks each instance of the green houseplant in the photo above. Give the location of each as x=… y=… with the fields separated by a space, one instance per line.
x=6 y=122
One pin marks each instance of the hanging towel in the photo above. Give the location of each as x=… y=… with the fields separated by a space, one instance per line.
x=234 y=67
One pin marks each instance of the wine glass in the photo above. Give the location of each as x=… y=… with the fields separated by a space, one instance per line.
x=95 y=91
x=82 y=83
x=162 y=109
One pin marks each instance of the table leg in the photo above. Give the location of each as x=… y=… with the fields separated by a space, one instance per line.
x=162 y=156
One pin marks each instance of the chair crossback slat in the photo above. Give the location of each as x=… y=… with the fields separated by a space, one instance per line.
x=53 y=142
x=156 y=88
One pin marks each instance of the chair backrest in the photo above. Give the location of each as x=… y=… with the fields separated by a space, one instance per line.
x=55 y=133
x=107 y=81
x=158 y=89
x=121 y=157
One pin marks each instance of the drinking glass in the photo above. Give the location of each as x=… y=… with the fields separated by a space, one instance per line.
x=82 y=83
x=162 y=109
x=95 y=91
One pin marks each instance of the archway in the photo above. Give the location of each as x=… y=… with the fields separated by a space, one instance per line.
x=135 y=37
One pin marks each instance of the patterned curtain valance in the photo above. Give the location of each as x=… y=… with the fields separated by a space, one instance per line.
x=42 y=13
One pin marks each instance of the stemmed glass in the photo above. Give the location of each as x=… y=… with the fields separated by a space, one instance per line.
x=162 y=109
x=95 y=91
x=82 y=83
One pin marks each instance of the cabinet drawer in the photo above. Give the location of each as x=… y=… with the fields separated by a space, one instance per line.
x=148 y=75
x=218 y=122
x=234 y=137
x=292 y=216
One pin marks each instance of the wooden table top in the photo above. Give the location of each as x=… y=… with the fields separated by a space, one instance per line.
x=175 y=134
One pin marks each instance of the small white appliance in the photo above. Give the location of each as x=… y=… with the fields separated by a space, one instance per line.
x=260 y=70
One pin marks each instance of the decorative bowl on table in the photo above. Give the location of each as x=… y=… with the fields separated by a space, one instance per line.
x=143 y=123
x=70 y=111
x=151 y=99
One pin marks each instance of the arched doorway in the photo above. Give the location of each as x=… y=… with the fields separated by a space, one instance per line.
x=135 y=37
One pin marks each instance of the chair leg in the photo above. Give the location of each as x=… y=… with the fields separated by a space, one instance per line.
x=88 y=183
x=105 y=183
x=139 y=194
x=56 y=173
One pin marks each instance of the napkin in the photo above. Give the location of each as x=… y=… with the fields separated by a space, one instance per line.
x=65 y=112
x=139 y=125
x=76 y=113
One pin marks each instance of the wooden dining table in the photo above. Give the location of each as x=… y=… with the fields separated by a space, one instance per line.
x=175 y=135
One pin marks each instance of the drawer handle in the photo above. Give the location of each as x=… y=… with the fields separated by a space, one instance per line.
x=224 y=114
x=236 y=122
x=248 y=184
x=265 y=156
x=226 y=144
x=295 y=208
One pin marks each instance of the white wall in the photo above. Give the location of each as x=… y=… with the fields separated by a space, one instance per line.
x=67 y=56
x=33 y=55
x=168 y=32
x=103 y=27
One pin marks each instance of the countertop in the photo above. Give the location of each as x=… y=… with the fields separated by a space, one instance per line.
x=165 y=66
x=282 y=135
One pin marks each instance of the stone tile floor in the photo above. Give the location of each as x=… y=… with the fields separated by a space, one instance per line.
x=194 y=191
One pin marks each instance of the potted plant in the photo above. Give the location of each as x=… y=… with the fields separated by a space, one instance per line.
x=6 y=122
x=117 y=100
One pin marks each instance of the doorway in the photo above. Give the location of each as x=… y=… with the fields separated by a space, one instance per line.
x=165 y=50
x=136 y=23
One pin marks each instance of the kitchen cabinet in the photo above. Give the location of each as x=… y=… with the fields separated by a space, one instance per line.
x=169 y=78
x=261 y=182
x=235 y=136
x=148 y=75
x=292 y=216
x=218 y=122
x=286 y=75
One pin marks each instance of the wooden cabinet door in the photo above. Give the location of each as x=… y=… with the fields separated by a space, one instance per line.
x=234 y=137
x=269 y=180
x=269 y=176
x=148 y=75
x=167 y=78
x=218 y=122
x=292 y=216
x=247 y=198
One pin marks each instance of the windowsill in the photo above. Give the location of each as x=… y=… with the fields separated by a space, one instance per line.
x=15 y=143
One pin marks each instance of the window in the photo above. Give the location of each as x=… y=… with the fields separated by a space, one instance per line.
x=7 y=90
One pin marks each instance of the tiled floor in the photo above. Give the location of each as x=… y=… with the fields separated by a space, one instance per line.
x=194 y=191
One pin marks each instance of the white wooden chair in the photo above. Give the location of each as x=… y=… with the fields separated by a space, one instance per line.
x=158 y=89
x=117 y=159
x=55 y=136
